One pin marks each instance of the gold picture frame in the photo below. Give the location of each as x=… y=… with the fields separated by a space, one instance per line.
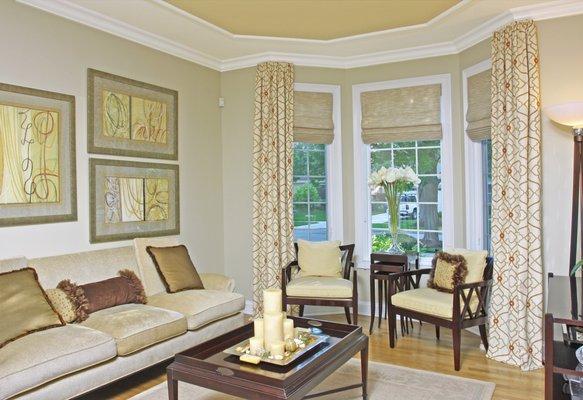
x=37 y=156
x=130 y=118
x=131 y=199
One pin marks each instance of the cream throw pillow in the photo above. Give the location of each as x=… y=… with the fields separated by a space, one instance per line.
x=475 y=261
x=63 y=305
x=320 y=258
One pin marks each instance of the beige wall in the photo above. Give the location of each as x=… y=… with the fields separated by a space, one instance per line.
x=47 y=52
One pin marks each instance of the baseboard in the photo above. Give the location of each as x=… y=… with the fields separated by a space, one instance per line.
x=363 y=309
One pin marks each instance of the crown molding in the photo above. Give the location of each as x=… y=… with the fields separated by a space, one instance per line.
x=85 y=16
x=75 y=12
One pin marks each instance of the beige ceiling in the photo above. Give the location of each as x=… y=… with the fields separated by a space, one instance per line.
x=313 y=19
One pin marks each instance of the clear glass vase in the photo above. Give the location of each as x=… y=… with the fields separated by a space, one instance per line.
x=393 y=211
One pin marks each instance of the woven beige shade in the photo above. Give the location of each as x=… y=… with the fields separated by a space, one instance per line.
x=410 y=113
x=479 y=106
x=313 y=117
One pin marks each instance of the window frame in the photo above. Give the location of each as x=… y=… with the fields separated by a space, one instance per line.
x=334 y=201
x=362 y=213
x=473 y=161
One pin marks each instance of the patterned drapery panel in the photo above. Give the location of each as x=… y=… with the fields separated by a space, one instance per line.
x=516 y=308
x=272 y=176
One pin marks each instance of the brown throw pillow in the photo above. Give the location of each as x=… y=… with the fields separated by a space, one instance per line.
x=25 y=306
x=111 y=292
x=175 y=268
x=448 y=271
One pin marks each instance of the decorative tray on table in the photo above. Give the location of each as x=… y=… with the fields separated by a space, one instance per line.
x=309 y=342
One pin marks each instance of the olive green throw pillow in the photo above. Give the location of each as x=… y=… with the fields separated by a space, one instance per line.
x=175 y=268
x=448 y=271
x=25 y=306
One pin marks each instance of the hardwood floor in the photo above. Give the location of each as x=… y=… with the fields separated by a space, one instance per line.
x=418 y=350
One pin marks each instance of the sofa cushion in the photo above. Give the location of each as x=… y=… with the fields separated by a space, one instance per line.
x=429 y=301
x=150 y=277
x=214 y=281
x=200 y=307
x=46 y=355
x=319 y=286
x=136 y=326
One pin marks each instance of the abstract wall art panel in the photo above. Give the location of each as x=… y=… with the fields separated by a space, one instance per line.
x=37 y=156
x=131 y=118
x=133 y=199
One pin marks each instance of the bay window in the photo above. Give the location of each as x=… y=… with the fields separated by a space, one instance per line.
x=478 y=151
x=404 y=123
x=317 y=193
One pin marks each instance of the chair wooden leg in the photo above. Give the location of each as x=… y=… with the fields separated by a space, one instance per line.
x=456 y=333
x=301 y=312
x=484 y=336
x=355 y=311
x=392 y=321
x=437 y=332
x=347 y=312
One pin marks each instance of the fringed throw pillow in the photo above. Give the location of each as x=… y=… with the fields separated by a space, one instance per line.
x=448 y=271
x=91 y=297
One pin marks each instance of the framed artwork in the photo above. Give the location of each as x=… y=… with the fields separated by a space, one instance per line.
x=37 y=156
x=130 y=118
x=132 y=199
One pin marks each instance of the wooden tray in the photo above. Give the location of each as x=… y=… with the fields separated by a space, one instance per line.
x=315 y=341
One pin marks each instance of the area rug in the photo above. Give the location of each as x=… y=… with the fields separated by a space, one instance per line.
x=385 y=382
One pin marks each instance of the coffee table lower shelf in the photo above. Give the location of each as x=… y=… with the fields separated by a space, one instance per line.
x=207 y=366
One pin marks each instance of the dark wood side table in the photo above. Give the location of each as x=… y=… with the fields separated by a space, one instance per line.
x=381 y=266
x=206 y=365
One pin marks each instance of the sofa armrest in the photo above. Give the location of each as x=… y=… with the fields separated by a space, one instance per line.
x=213 y=281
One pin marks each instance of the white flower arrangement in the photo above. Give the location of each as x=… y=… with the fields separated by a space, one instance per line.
x=405 y=177
x=394 y=182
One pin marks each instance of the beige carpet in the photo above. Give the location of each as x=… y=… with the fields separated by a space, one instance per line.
x=385 y=381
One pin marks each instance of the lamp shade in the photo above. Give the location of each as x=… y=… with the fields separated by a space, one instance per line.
x=570 y=114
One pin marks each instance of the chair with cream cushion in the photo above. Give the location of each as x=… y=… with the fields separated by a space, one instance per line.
x=467 y=306
x=321 y=276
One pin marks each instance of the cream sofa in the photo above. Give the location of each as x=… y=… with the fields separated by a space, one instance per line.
x=64 y=362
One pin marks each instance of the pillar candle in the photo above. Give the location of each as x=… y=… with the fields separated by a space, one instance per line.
x=288 y=329
x=272 y=301
x=272 y=329
x=258 y=328
x=277 y=348
x=255 y=345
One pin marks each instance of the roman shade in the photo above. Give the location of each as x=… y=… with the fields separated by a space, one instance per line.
x=409 y=113
x=479 y=106
x=313 y=121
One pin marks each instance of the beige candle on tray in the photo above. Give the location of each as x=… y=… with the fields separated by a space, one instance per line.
x=255 y=345
x=258 y=328
x=288 y=329
x=272 y=301
x=272 y=329
x=277 y=348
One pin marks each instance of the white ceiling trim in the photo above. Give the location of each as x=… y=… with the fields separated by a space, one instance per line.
x=83 y=15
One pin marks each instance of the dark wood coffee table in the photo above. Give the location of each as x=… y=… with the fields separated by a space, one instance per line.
x=206 y=365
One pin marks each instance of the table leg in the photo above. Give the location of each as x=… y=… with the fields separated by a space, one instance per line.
x=364 y=369
x=372 y=305
x=380 y=287
x=172 y=387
